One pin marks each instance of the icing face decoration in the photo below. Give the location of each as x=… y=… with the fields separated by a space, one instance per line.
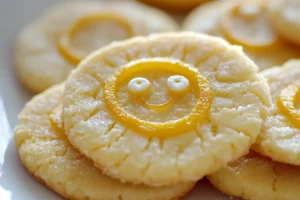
x=287 y=103
x=159 y=98
x=89 y=28
x=247 y=24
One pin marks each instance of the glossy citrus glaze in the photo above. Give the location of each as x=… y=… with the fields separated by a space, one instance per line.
x=160 y=129
x=74 y=56
x=287 y=100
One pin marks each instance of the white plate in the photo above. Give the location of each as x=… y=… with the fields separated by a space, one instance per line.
x=15 y=182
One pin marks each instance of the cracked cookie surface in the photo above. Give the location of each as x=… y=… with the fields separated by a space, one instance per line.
x=279 y=139
x=46 y=152
x=51 y=46
x=244 y=23
x=255 y=177
x=147 y=139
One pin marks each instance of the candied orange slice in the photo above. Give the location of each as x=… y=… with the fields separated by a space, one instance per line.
x=74 y=56
x=198 y=114
x=287 y=100
x=246 y=23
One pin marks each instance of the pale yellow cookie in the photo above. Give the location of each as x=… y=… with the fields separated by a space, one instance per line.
x=245 y=23
x=285 y=18
x=255 y=177
x=47 y=154
x=49 y=48
x=166 y=108
x=280 y=137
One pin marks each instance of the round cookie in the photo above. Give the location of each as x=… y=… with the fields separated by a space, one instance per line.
x=285 y=18
x=169 y=107
x=255 y=177
x=279 y=139
x=244 y=23
x=49 y=48
x=47 y=154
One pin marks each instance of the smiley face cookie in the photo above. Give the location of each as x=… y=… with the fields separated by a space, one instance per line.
x=165 y=109
x=285 y=17
x=46 y=152
x=49 y=48
x=244 y=23
x=256 y=177
x=279 y=139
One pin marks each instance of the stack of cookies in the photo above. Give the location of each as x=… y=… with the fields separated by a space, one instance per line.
x=146 y=117
x=251 y=24
x=269 y=32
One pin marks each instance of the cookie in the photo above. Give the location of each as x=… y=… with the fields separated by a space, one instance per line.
x=47 y=154
x=245 y=23
x=255 y=177
x=175 y=5
x=285 y=18
x=170 y=107
x=49 y=48
x=279 y=139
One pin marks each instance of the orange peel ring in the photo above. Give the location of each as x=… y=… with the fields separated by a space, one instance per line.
x=199 y=113
x=235 y=38
x=72 y=55
x=286 y=103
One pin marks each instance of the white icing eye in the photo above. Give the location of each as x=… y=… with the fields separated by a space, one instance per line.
x=138 y=85
x=178 y=83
